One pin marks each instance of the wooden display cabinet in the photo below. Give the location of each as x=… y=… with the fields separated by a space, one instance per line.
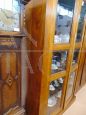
x=80 y=44
x=52 y=43
x=11 y=34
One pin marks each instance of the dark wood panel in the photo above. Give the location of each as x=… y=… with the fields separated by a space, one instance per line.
x=35 y=21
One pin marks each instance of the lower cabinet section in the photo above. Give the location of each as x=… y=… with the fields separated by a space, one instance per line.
x=10 y=78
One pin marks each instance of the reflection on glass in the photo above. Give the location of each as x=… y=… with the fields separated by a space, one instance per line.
x=70 y=85
x=75 y=57
x=64 y=19
x=9 y=15
x=59 y=61
x=55 y=94
x=81 y=22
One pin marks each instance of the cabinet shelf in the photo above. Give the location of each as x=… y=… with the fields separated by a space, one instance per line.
x=57 y=75
x=61 y=47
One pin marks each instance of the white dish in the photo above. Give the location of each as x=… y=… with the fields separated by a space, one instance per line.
x=52 y=101
x=51 y=88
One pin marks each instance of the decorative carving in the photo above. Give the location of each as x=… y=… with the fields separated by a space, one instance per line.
x=9 y=69
x=7 y=42
x=9 y=80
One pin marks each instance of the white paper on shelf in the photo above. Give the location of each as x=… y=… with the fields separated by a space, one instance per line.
x=16 y=29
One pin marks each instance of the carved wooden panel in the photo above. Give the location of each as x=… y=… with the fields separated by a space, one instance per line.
x=9 y=76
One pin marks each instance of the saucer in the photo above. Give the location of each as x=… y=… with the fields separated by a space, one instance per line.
x=52 y=101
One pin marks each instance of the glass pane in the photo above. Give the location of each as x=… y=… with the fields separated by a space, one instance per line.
x=10 y=15
x=81 y=22
x=59 y=61
x=70 y=85
x=75 y=57
x=64 y=19
x=55 y=95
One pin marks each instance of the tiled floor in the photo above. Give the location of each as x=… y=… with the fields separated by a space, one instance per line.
x=79 y=106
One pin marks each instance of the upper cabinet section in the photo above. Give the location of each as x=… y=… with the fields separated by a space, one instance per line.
x=81 y=22
x=10 y=15
x=64 y=18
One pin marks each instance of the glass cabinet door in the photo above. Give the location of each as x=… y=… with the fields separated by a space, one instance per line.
x=55 y=95
x=81 y=22
x=65 y=9
x=70 y=85
x=75 y=56
x=59 y=61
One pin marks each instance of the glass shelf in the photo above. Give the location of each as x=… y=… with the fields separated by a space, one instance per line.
x=81 y=22
x=59 y=61
x=75 y=57
x=64 y=19
x=70 y=85
x=55 y=95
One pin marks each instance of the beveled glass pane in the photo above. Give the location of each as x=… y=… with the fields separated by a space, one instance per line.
x=55 y=95
x=75 y=56
x=59 y=61
x=70 y=85
x=65 y=9
x=81 y=22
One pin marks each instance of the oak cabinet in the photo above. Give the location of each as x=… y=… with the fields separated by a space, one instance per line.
x=54 y=54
